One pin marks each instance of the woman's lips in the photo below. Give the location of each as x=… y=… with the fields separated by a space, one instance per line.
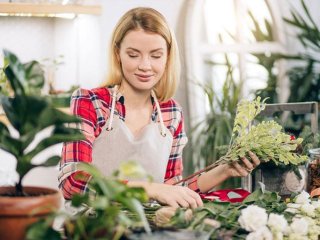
x=143 y=77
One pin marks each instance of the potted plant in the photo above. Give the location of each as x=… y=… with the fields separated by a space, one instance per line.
x=28 y=114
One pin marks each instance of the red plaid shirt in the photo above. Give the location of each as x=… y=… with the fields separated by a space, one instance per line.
x=93 y=107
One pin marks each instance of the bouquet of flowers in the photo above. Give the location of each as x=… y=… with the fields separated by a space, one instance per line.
x=266 y=139
x=300 y=220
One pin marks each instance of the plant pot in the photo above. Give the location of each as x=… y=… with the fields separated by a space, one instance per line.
x=280 y=179
x=17 y=213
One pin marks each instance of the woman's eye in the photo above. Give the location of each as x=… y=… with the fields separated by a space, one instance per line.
x=156 y=56
x=133 y=55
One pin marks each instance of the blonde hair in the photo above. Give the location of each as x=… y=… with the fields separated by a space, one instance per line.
x=152 y=21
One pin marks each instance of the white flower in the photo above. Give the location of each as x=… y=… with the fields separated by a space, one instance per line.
x=296 y=236
x=292 y=210
x=308 y=209
x=316 y=204
x=277 y=222
x=299 y=226
x=252 y=218
x=262 y=233
x=277 y=235
x=302 y=198
x=313 y=229
x=294 y=205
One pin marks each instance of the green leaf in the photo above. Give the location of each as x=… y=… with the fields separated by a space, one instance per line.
x=253 y=197
x=35 y=77
x=50 y=162
x=14 y=109
x=15 y=72
x=135 y=206
x=78 y=199
x=71 y=135
x=42 y=230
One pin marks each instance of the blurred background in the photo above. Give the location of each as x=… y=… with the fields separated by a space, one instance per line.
x=230 y=50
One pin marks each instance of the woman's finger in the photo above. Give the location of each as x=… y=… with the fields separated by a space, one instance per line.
x=196 y=198
x=247 y=164
x=255 y=159
x=173 y=203
x=241 y=171
x=191 y=201
x=183 y=202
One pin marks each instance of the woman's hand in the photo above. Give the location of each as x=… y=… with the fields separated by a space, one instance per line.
x=244 y=168
x=174 y=196
x=216 y=176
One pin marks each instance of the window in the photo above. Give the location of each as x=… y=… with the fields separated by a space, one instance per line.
x=229 y=27
x=219 y=29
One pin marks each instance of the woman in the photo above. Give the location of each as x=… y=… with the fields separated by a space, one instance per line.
x=135 y=118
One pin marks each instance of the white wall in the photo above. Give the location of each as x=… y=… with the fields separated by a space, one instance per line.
x=83 y=42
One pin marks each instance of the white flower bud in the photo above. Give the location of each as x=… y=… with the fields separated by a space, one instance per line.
x=303 y=198
x=262 y=233
x=252 y=218
x=316 y=204
x=308 y=209
x=299 y=226
x=277 y=222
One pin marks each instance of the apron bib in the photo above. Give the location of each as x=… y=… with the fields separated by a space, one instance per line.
x=150 y=148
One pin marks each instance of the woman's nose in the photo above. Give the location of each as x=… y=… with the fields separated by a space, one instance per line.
x=144 y=64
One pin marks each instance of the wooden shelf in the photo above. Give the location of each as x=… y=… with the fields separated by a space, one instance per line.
x=29 y=9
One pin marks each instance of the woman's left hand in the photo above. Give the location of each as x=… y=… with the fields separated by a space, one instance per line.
x=244 y=168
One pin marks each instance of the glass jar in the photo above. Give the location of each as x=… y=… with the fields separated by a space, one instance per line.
x=314 y=169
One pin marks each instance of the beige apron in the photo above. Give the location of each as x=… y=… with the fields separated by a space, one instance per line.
x=116 y=144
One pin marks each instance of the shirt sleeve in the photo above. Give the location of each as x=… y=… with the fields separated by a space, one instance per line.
x=71 y=180
x=175 y=162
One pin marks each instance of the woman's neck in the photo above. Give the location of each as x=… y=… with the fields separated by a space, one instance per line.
x=133 y=98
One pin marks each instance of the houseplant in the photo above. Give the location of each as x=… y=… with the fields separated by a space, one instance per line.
x=28 y=114
x=114 y=208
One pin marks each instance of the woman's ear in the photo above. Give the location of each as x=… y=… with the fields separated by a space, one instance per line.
x=117 y=53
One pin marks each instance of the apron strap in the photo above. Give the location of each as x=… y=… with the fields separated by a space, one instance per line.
x=114 y=96
x=163 y=132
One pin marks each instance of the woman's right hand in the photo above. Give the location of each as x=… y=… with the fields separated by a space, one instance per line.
x=174 y=196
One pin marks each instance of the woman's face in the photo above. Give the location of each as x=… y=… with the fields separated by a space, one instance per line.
x=143 y=59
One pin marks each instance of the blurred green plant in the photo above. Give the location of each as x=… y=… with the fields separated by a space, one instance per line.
x=214 y=131
x=305 y=76
x=28 y=113
x=31 y=77
x=268 y=62
x=107 y=211
x=305 y=80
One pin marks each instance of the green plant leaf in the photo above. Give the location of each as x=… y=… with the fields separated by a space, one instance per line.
x=50 y=162
x=35 y=77
x=70 y=135
x=42 y=230
x=135 y=206
x=15 y=72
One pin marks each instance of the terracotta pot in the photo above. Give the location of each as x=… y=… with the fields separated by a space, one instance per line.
x=16 y=213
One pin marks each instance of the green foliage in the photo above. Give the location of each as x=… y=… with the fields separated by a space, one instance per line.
x=305 y=77
x=215 y=130
x=105 y=212
x=309 y=34
x=266 y=139
x=268 y=62
x=4 y=85
x=310 y=140
x=30 y=75
x=28 y=113
x=226 y=215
